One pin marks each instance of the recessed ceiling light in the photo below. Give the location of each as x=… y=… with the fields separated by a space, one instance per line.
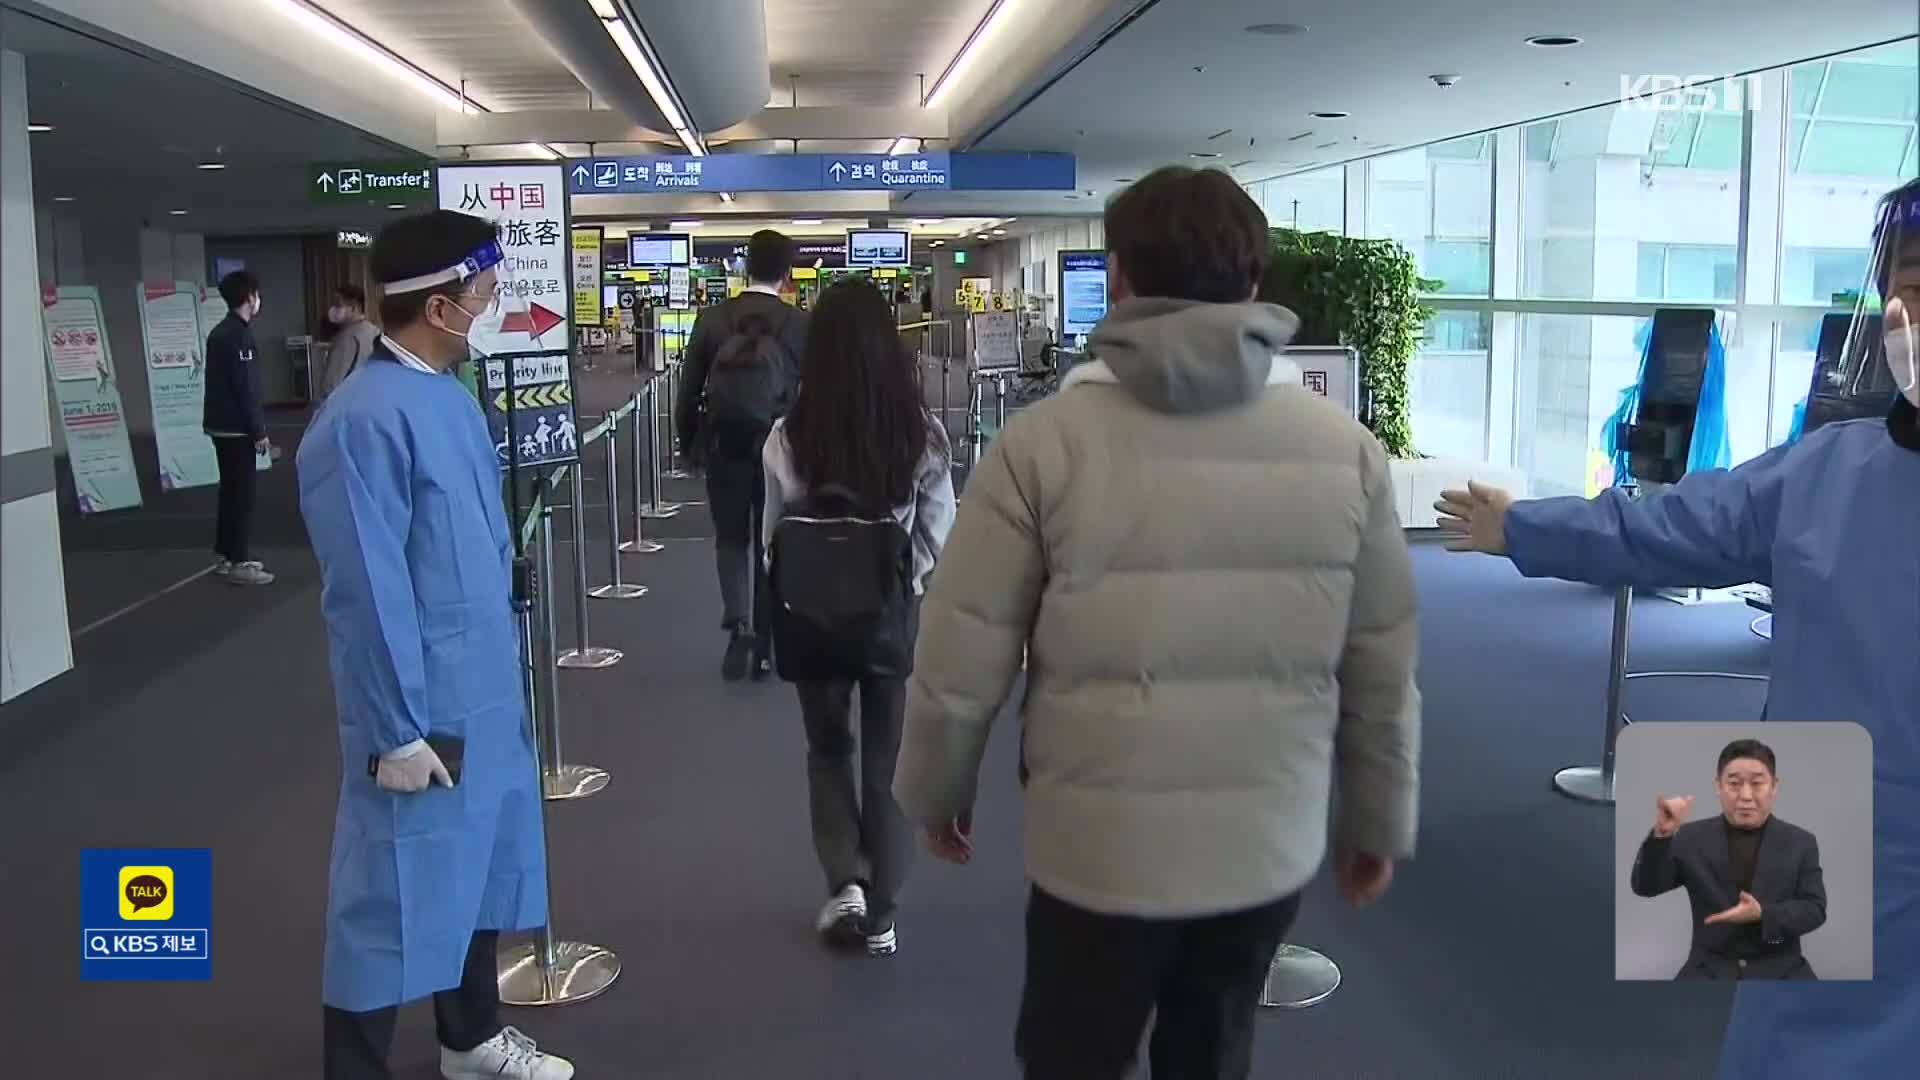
x=177 y=213
x=1329 y=115
x=1203 y=154
x=396 y=206
x=212 y=166
x=808 y=221
x=1276 y=29
x=683 y=225
x=36 y=128
x=1553 y=41
x=63 y=198
x=999 y=232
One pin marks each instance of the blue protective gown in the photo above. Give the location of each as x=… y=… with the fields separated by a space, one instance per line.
x=401 y=493
x=1832 y=524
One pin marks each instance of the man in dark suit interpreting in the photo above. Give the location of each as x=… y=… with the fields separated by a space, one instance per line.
x=1753 y=880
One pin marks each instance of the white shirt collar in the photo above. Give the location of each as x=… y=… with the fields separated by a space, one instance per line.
x=405 y=356
x=770 y=290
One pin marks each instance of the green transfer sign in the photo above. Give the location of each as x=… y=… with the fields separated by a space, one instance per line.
x=383 y=182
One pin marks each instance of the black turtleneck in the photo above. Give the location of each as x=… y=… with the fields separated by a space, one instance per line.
x=1903 y=423
x=1743 y=852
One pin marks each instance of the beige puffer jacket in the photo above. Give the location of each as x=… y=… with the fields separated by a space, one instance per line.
x=1201 y=564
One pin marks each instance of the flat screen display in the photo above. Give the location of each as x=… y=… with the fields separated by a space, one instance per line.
x=609 y=296
x=659 y=249
x=1083 y=292
x=878 y=247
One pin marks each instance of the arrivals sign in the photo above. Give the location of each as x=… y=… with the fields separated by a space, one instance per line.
x=385 y=182
x=937 y=171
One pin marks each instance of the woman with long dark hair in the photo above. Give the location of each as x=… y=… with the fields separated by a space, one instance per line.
x=859 y=429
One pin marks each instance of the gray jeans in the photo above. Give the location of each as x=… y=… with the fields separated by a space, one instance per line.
x=859 y=831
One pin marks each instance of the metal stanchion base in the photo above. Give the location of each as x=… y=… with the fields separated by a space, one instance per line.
x=1299 y=978
x=1762 y=627
x=618 y=592
x=575 y=782
x=579 y=972
x=658 y=511
x=642 y=547
x=677 y=474
x=591 y=658
x=1584 y=783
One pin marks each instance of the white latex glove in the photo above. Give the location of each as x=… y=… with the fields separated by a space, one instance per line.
x=412 y=773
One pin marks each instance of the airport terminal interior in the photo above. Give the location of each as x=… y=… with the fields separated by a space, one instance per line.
x=1567 y=181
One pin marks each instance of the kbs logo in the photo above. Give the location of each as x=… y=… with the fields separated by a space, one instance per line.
x=146 y=893
x=1693 y=93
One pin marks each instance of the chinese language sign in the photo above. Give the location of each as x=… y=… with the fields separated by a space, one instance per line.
x=529 y=204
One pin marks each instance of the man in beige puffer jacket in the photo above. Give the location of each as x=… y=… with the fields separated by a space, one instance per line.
x=1201 y=564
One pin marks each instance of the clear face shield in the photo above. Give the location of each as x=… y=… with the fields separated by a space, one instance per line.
x=1881 y=356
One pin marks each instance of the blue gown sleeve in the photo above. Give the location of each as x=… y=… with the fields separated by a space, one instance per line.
x=1713 y=529
x=358 y=504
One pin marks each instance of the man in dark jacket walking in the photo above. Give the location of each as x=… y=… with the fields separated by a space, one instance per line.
x=235 y=422
x=741 y=368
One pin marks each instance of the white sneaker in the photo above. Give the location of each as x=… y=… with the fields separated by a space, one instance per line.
x=249 y=573
x=840 y=920
x=222 y=568
x=507 y=1056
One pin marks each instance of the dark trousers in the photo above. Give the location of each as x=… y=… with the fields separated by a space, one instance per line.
x=1093 y=981
x=859 y=831
x=736 y=496
x=234 y=520
x=463 y=1017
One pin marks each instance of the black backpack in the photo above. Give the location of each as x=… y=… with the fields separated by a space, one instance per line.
x=841 y=580
x=746 y=387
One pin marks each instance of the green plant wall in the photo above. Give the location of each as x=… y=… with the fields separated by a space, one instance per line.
x=1362 y=293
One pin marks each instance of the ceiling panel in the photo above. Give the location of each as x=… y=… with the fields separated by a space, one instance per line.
x=864 y=52
x=1187 y=70
x=507 y=66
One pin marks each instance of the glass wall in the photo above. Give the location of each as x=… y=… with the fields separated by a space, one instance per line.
x=1540 y=309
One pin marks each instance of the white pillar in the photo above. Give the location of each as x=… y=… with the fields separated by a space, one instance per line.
x=1503 y=341
x=35 y=644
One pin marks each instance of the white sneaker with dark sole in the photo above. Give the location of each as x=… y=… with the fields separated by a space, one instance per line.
x=249 y=573
x=841 y=919
x=883 y=942
x=509 y=1055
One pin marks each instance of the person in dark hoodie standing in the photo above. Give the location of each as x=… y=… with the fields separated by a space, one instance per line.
x=741 y=371
x=234 y=420
x=1200 y=562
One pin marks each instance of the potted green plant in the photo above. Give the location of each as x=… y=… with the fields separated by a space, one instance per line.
x=1364 y=294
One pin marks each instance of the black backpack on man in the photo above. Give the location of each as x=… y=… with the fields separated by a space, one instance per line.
x=748 y=387
x=841 y=579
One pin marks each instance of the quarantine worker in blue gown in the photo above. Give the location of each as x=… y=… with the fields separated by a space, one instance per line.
x=401 y=491
x=1832 y=524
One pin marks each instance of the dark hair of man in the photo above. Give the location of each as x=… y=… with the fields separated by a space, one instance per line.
x=239 y=287
x=423 y=244
x=858 y=420
x=352 y=294
x=769 y=257
x=1752 y=750
x=1189 y=234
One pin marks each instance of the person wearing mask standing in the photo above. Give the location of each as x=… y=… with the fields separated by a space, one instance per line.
x=1199 y=562
x=353 y=336
x=233 y=418
x=859 y=430
x=437 y=842
x=741 y=370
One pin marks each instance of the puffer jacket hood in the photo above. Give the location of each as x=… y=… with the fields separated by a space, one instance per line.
x=1186 y=356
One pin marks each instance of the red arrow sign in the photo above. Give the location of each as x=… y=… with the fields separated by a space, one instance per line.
x=535 y=321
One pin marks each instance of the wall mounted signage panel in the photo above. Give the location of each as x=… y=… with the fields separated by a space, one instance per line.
x=1083 y=291
x=383 y=182
x=938 y=171
x=879 y=247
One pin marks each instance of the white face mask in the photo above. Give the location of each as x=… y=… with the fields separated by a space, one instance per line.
x=1901 y=362
x=256 y=307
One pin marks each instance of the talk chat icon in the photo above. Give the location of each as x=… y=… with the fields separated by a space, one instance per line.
x=146 y=892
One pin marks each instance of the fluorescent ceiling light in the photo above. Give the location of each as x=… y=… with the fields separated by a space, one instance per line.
x=604 y=9
x=808 y=221
x=999 y=232
x=968 y=53
x=346 y=37
x=629 y=47
x=63 y=198
x=212 y=166
x=902 y=145
x=37 y=128
x=177 y=213
x=396 y=206
x=926 y=221
x=726 y=197
x=683 y=225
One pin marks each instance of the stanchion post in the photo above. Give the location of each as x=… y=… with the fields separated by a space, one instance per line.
x=544 y=971
x=584 y=655
x=640 y=545
x=999 y=404
x=563 y=780
x=1298 y=978
x=1594 y=783
x=674 y=470
x=615 y=589
x=655 y=507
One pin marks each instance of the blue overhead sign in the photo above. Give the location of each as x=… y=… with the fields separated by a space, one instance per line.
x=937 y=171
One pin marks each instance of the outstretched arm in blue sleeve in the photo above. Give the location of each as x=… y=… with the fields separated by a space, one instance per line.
x=1711 y=530
x=357 y=497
